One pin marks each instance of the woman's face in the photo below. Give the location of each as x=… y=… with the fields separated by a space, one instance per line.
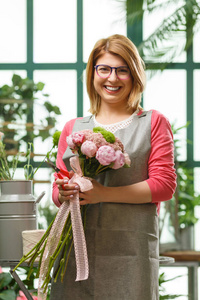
x=112 y=90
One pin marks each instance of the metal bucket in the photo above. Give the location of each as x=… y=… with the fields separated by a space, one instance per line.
x=17 y=213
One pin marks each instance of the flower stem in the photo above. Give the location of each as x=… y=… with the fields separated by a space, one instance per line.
x=70 y=249
x=34 y=252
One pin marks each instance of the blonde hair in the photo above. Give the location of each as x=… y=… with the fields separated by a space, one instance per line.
x=122 y=46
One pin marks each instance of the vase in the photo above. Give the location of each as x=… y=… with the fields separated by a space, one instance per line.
x=17 y=213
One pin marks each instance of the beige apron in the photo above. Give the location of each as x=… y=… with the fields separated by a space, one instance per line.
x=122 y=239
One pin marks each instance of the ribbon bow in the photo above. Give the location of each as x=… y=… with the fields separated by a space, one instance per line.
x=72 y=206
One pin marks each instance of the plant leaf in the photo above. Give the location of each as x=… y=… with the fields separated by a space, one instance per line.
x=7 y=295
x=5 y=279
x=40 y=85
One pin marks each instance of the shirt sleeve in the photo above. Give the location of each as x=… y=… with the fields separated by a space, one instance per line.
x=162 y=175
x=62 y=146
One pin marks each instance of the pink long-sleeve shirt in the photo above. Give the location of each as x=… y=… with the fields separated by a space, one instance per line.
x=161 y=171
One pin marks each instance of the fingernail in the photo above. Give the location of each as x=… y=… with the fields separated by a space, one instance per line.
x=66 y=180
x=76 y=187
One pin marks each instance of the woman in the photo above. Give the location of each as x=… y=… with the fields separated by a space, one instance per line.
x=122 y=222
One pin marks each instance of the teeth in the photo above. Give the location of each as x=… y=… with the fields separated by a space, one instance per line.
x=112 y=88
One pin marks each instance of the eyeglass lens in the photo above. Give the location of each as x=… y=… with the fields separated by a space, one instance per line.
x=105 y=71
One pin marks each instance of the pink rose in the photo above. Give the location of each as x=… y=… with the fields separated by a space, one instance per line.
x=89 y=148
x=70 y=142
x=119 y=161
x=78 y=138
x=105 y=155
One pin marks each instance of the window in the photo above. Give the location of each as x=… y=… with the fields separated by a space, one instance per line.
x=53 y=47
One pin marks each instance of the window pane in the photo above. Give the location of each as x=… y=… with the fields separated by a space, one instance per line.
x=196 y=115
x=13 y=31
x=61 y=87
x=166 y=92
x=14 y=127
x=13 y=131
x=196 y=47
x=152 y=22
x=101 y=19
x=55 y=31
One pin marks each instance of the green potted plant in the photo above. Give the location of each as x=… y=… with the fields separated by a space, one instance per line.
x=186 y=198
x=17 y=203
x=162 y=291
x=180 y=210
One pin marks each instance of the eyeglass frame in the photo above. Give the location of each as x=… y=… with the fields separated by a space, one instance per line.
x=96 y=66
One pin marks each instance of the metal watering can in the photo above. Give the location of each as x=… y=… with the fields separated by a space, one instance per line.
x=18 y=212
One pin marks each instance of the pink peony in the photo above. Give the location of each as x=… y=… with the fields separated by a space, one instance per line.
x=96 y=138
x=127 y=159
x=87 y=132
x=119 y=161
x=78 y=138
x=89 y=148
x=70 y=142
x=118 y=145
x=105 y=155
x=23 y=297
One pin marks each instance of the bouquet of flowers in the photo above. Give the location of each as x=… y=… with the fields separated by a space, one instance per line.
x=95 y=152
x=98 y=150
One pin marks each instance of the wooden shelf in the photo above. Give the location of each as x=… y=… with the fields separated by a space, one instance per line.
x=183 y=255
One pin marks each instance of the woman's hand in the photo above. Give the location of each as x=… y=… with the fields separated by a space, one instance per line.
x=66 y=191
x=95 y=195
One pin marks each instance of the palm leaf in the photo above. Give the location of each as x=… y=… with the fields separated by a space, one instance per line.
x=169 y=40
x=136 y=8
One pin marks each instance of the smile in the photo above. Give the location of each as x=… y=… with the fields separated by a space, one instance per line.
x=112 y=88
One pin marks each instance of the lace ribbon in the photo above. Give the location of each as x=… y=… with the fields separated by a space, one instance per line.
x=73 y=207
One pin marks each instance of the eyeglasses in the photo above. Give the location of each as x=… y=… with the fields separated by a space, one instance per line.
x=104 y=71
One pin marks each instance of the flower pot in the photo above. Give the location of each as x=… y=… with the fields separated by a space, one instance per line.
x=17 y=213
x=187 y=238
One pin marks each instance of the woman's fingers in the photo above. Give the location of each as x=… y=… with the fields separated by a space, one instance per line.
x=66 y=191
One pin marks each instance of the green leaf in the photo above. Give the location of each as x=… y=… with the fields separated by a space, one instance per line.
x=8 y=295
x=40 y=86
x=16 y=80
x=165 y=297
x=168 y=41
x=56 y=110
x=56 y=137
x=44 y=134
x=5 y=279
x=52 y=108
x=51 y=121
